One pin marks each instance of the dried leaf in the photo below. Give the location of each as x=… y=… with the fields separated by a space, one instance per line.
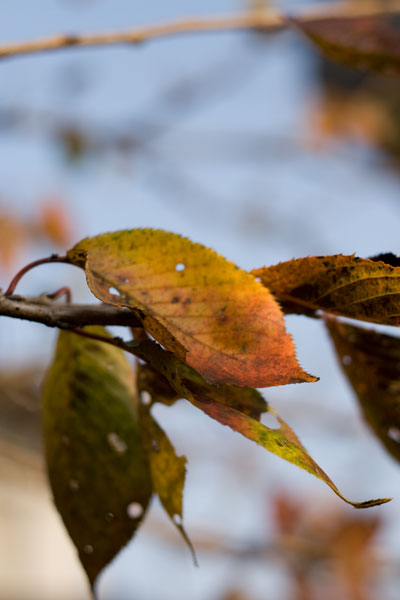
x=168 y=471
x=371 y=361
x=366 y=42
x=343 y=285
x=200 y=306
x=97 y=467
x=282 y=442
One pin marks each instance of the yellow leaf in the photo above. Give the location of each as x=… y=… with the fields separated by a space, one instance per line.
x=203 y=308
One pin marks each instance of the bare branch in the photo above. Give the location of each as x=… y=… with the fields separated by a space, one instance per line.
x=255 y=20
x=65 y=316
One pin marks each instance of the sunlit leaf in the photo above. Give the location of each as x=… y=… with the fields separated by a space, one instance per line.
x=97 y=467
x=343 y=285
x=371 y=361
x=367 y=42
x=168 y=471
x=203 y=308
x=282 y=441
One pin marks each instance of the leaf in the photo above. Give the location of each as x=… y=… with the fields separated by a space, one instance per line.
x=282 y=442
x=168 y=472
x=371 y=362
x=200 y=306
x=97 y=467
x=366 y=42
x=343 y=285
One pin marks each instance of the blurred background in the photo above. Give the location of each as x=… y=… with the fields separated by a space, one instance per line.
x=252 y=144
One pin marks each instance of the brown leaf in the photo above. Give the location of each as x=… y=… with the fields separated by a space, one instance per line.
x=343 y=285
x=371 y=361
x=200 y=306
x=367 y=42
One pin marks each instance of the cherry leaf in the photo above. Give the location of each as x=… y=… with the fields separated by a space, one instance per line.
x=204 y=309
x=168 y=471
x=371 y=362
x=370 y=42
x=190 y=385
x=97 y=467
x=343 y=285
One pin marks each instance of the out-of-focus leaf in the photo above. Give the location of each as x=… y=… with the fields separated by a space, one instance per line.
x=204 y=309
x=282 y=441
x=55 y=221
x=371 y=361
x=97 y=467
x=168 y=471
x=367 y=42
x=343 y=285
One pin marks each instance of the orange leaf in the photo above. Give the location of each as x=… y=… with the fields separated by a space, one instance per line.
x=203 y=308
x=344 y=285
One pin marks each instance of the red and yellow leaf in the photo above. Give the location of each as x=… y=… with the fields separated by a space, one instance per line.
x=203 y=308
x=283 y=441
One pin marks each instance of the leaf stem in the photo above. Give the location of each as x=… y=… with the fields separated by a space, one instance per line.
x=42 y=261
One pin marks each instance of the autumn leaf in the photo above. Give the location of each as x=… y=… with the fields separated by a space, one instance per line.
x=97 y=467
x=367 y=42
x=349 y=286
x=168 y=471
x=371 y=362
x=201 y=307
x=190 y=385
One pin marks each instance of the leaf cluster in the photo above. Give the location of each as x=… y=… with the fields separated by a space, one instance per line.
x=209 y=332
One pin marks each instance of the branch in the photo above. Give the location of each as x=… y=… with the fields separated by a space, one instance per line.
x=255 y=20
x=65 y=316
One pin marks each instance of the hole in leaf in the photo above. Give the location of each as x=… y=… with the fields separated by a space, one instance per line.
x=113 y=291
x=394 y=434
x=347 y=360
x=177 y=519
x=116 y=443
x=73 y=485
x=88 y=549
x=271 y=421
x=155 y=446
x=134 y=510
x=180 y=267
x=258 y=279
x=145 y=398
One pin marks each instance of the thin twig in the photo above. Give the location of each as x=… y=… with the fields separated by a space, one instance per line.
x=255 y=20
x=42 y=261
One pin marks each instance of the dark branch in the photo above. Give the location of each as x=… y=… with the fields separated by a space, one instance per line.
x=65 y=316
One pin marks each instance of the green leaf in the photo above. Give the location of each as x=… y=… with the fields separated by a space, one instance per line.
x=168 y=471
x=97 y=467
x=189 y=384
x=371 y=362
x=370 y=42
x=348 y=286
x=208 y=312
